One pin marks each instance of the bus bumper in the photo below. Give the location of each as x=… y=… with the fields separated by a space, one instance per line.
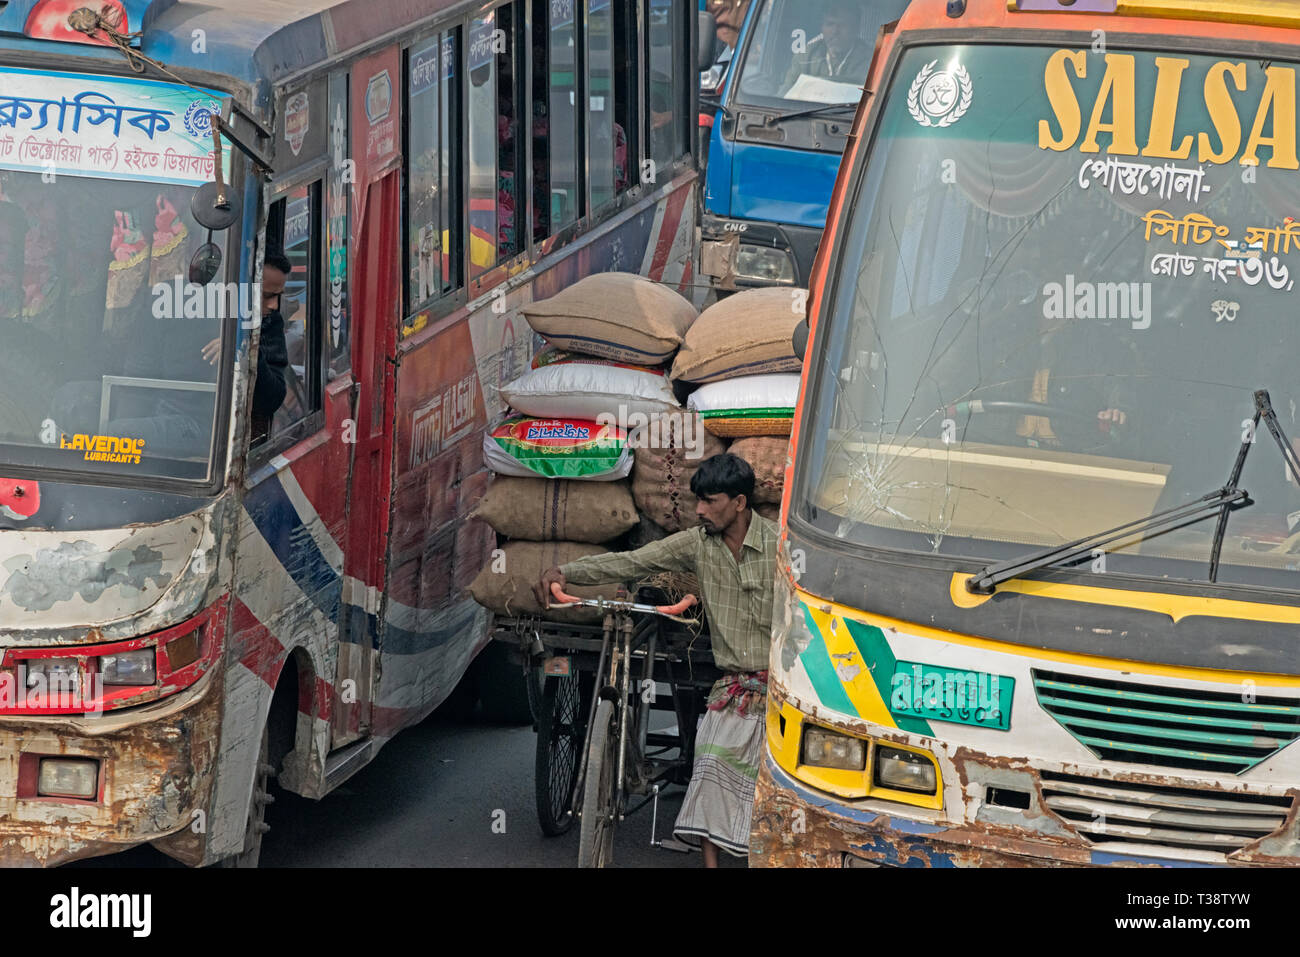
x=795 y=826
x=154 y=779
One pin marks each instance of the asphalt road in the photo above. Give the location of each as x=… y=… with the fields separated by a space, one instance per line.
x=440 y=794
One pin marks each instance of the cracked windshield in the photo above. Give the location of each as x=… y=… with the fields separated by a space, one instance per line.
x=1065 y=276
x=109 y=362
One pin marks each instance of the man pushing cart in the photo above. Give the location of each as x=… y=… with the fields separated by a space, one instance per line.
x=733 y=554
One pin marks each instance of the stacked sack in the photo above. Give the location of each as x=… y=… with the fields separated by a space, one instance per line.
x=740 y=355
x=563 y=460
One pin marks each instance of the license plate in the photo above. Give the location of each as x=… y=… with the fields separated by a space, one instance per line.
x=957 y=695
x=557 y=666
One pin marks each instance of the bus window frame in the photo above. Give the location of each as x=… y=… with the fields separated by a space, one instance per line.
x=313 y=176
x=593 y=210
x=532 y=251
x=687 y=99
x=232 y=249
x=444 y=303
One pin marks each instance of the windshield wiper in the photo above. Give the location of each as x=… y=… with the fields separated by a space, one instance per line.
x=1264 y=410
x=1224 y=500
x=984 y=581
x=814 y=111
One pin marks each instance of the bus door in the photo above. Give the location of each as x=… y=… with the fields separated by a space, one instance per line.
x=375 y=317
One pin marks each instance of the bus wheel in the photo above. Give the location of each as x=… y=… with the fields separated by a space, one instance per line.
x=256 y=825
x=502 y=686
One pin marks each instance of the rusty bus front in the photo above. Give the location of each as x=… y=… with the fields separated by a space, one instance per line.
x=114 y=441
x=1039 y=593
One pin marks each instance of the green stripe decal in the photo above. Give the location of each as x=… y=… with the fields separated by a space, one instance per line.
x=880 y=661
x=817 y=662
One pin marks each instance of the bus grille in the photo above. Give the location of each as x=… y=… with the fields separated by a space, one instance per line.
x=1169 y=727
x=1116 y=811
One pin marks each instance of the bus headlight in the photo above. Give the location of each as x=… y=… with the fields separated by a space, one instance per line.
x=53 y=672
x=904 y=770
x=128 y=668
x=68 y=777
x=823 y=748
x=764 y=264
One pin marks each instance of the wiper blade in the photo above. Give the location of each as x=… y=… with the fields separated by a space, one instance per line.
x=1225 y=500
x=814 y=111
x=1264 y=410
x=984 y=581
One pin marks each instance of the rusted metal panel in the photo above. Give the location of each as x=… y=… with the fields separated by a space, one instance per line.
x=157 y=766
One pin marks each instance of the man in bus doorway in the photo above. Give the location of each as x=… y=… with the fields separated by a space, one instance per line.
x=270 y=387
x=733 y=554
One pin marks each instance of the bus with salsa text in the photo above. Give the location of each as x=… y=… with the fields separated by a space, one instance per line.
x=1038 y=599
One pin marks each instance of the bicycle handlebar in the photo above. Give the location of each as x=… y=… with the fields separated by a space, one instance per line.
x=668 y=611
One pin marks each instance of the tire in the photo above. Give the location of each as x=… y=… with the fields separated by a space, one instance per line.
x=561 y=727
x=255 y=827
x=535 y=686
x=459 y=706
x=502 y=687
x=596 y=834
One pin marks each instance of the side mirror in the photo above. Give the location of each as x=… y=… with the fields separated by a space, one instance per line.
x=206 y=263
x=708 y=36
x=214 y=206
x=799 y=341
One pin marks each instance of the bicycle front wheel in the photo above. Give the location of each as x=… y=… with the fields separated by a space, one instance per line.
x=596 y=835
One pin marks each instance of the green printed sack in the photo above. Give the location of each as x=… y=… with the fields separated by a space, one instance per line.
x=576 y=449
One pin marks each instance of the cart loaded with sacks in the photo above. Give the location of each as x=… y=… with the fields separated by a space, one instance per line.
x=594 y=453
x=617 y=706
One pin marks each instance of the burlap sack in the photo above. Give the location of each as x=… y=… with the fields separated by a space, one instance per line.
x=507 y=588
x=766 y=456
x=661 y=476
x=745 y=334
x=554 y=510
x=770 y=512
x=619 y=316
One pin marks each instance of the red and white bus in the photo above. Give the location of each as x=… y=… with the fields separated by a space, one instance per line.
x=229 y=601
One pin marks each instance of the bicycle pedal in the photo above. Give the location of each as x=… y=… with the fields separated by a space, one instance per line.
x=679 y=847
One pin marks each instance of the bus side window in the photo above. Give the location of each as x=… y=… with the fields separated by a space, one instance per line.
x=294 y=225
x=627 y=59
x=557 y=189
x=432 y=206
x=662 y=83
x=496 y=148
x=602 y=142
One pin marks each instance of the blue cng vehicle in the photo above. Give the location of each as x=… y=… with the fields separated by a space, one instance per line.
x=785 y=114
